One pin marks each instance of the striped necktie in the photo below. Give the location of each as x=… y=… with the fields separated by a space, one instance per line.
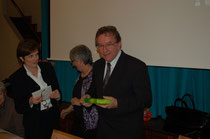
x=108 y=69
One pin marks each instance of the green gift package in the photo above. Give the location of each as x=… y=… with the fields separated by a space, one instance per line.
x=97 y=100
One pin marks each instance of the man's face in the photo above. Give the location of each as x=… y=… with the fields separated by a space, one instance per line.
x=107 y=46
x=1 y=97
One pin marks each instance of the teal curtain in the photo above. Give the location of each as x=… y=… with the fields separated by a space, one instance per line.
x=170 y=83
x=167 y=83
x=67 y=76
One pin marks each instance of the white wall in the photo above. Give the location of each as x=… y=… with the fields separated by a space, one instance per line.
x=173 y=33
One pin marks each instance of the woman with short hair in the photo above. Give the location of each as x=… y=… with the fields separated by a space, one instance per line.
x=84 y=119
x=40 y=116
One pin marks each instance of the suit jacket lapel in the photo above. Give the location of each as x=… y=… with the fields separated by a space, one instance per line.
x=101 y=74
x=116 y=71
x=29 y=79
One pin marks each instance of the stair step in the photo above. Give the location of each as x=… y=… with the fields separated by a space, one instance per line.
x=27 y=19
x=34 y=26
x=28 y=31
x=39 y=34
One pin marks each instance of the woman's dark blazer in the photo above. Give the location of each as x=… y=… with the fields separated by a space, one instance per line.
x=23 y=86
x=129 y=83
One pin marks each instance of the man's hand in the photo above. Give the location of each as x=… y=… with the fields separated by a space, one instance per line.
x=112 y=105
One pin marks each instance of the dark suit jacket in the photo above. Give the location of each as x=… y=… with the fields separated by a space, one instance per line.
x=129 y=83
x=22 y=88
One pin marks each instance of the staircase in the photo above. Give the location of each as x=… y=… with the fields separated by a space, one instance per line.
x=24 y=25
x=26 y=28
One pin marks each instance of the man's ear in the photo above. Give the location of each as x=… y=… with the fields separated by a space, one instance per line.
x=119 y=45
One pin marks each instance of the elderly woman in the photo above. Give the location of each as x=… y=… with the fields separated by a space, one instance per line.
x=85 y=119
x=10 y=120
x=40 y=116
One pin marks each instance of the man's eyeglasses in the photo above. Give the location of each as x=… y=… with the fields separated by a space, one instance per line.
x=107 y=45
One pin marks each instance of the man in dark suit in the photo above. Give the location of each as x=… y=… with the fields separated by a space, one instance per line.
x=128 y=88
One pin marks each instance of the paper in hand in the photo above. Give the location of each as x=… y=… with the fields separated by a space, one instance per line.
x=43 y=92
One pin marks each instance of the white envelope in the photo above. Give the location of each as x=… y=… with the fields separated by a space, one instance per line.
x=43 y=92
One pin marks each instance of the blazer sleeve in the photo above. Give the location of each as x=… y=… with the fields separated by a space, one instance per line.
x=140 y=96
x=22 y=87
